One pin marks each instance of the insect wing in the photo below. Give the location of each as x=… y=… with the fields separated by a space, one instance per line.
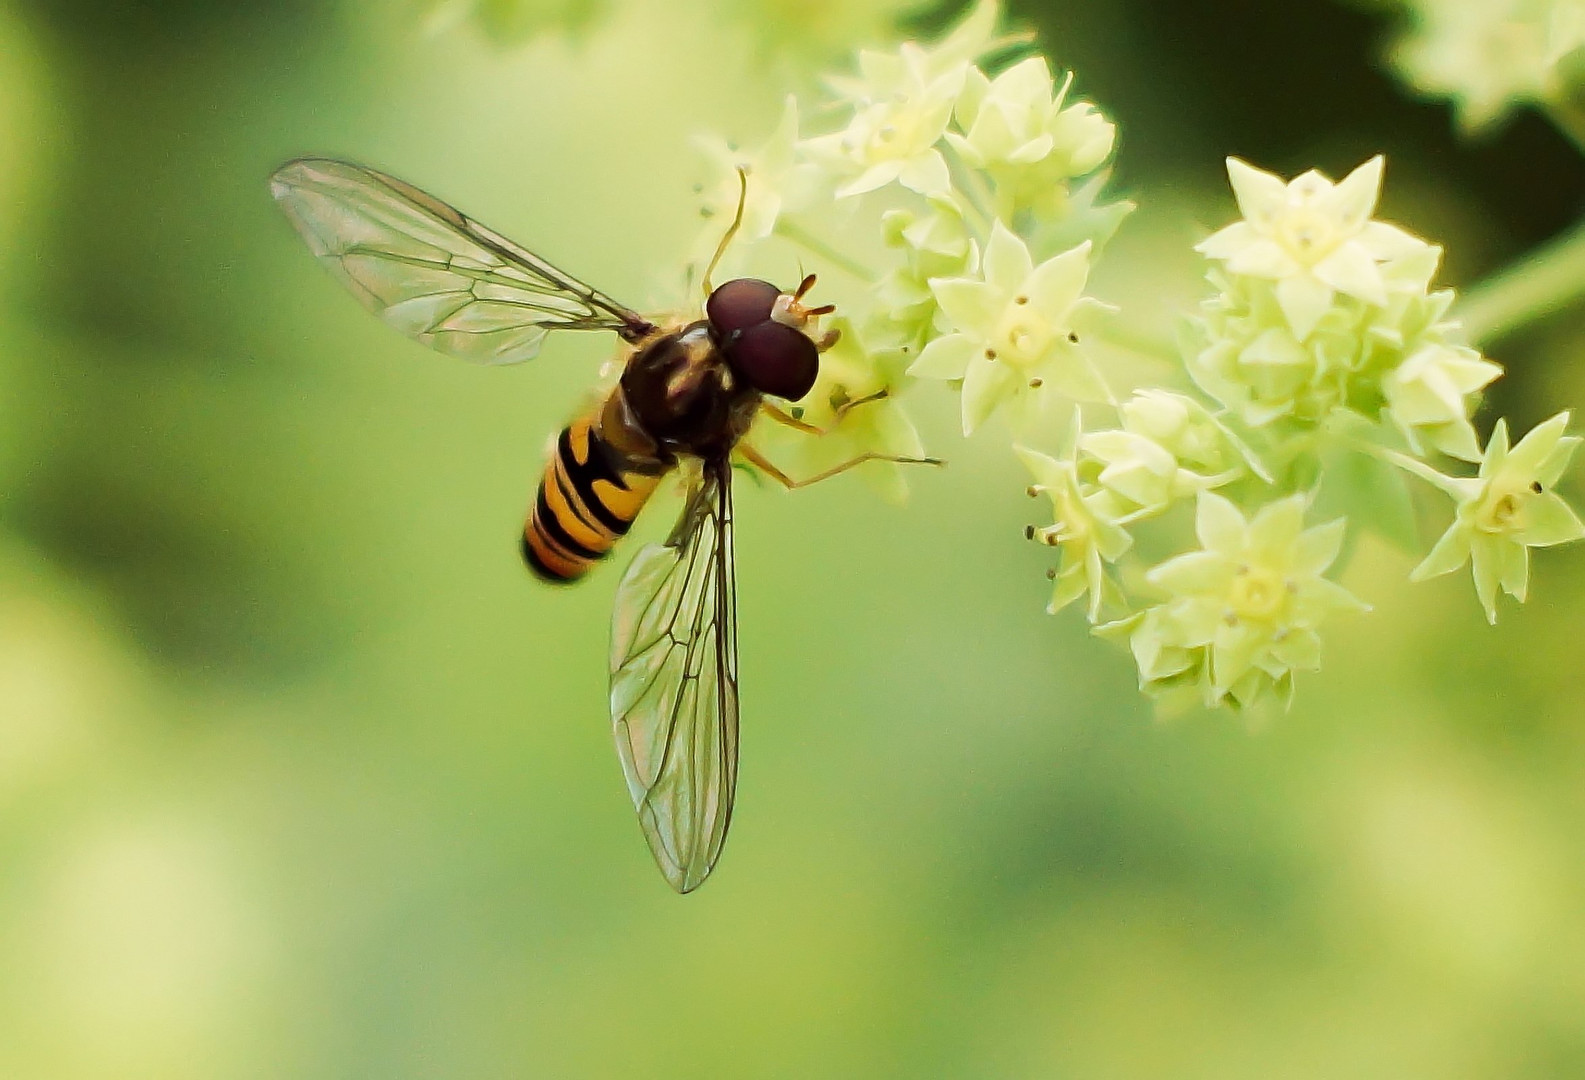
x=434 y=273
x=674 y=700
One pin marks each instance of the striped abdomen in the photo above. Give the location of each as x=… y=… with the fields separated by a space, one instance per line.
x=586 y=503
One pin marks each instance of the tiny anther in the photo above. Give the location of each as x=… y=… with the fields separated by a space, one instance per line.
x=990 y=354
x=1535 y=486
x=1051 y=574
x=707 y=211
x=1032 y=491
x=1029 y=532
x=1073 y=338
x=1230 y=618
x=1036 y=384
x=796 y=412
x=1020 y=299
x=1243 y=568
x=1051 y=539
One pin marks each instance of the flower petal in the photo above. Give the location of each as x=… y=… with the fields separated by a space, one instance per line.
x=1219 y=525
x=947 y=357
x=1054 y=286
x=1318 y=548
x=985 y=385
x=1353 y=200
x=925 y=173
x=1450 y=553
x=1304 y=299
x=1351 y=271
x=1007 y=261
x=1550 y=521
x=1263 y=258
x=1261 y=196
x=970 y=306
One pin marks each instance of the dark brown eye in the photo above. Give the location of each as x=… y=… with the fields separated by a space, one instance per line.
x=776 y=359
x=740 y=304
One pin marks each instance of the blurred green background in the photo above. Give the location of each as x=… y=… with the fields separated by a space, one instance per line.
x=301 y=775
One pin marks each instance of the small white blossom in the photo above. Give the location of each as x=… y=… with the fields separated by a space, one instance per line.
x=1312 y=237
x=1431 y=394
x=856 y=402
x=885 y=75
x=1252 y=598
x=1085 y=532
x=1507 y=510
x=894 y=139
x=935 y=243
x=777 y=182
x=1489 y=55
x=1016 y=330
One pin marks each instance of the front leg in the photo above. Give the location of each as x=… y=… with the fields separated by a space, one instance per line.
x=759 y=461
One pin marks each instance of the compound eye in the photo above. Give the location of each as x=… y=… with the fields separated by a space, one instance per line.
x=776 y=359
x=740 y=304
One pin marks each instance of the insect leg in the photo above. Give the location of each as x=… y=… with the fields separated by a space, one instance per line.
x=783 y=417
x=759 y=461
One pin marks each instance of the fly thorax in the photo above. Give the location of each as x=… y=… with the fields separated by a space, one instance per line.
x=681 y=391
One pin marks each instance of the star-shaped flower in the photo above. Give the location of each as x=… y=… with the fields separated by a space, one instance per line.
x=1312 y=237
x=1430 y=396
x=1490 y=55
x=1084 y=532
x=857 y=402
x=894 y=139
x=1017 y=329
x=774 y=182
x=1505 y=511
x=1253 y=597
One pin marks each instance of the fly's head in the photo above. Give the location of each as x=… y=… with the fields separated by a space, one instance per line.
x=769 y=337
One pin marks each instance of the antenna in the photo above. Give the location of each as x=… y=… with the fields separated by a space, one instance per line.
x=737 y=223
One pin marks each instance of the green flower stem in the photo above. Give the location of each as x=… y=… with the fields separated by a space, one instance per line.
x=815 y=246
x=1543 y=282
x=1414 y=466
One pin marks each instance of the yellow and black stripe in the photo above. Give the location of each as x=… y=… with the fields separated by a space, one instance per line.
x=585 y=504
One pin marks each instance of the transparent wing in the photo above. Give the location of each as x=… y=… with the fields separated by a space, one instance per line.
x=434 y=273
x=674 y=684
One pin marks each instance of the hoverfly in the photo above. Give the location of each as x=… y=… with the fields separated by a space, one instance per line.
x=687 y=395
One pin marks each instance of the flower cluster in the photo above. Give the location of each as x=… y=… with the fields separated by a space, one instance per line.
x=1490 y=55
x=966 y=198
x=1329 y=371
x=957 y=202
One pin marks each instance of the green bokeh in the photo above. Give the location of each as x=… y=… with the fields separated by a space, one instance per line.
x=302 y=776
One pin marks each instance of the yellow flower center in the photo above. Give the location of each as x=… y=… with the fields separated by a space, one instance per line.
x=1308 y=235
x=897 y=134
x=1023 y=337
x=1258 y=594
x=1505 y=509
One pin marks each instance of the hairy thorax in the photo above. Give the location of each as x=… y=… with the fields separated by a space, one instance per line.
x=678 y=396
